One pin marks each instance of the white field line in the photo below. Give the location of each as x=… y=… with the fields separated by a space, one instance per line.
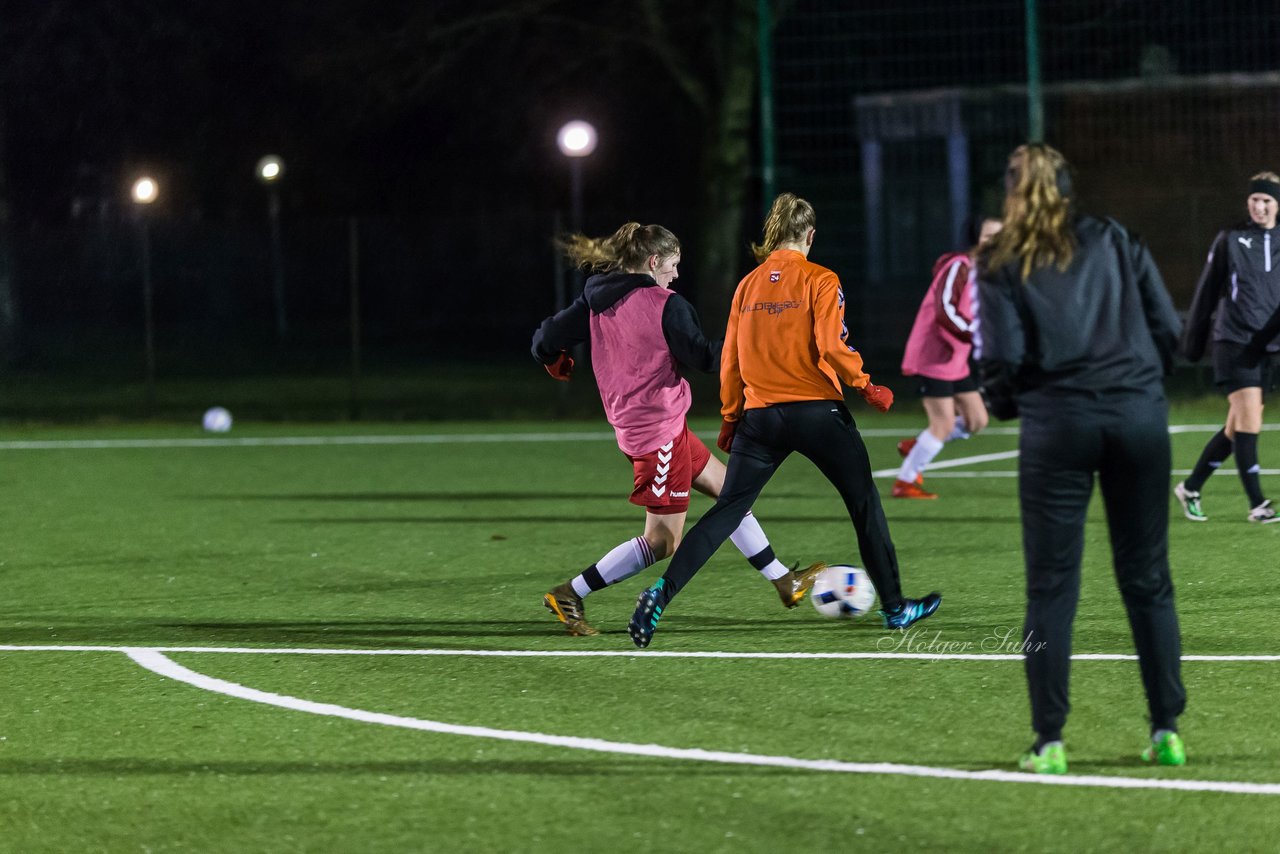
x=428 y=439
x=163 y=666
x=961 y=461
x=1013 y=431
x=1178 y=473
x=300 y=441
x=612 y=653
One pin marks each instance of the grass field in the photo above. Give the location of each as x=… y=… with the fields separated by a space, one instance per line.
x=266 y=642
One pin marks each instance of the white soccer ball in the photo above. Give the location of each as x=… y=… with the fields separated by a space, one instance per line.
x=217 y=420
x=843 y=592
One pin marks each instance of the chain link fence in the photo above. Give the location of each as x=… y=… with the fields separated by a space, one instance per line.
x=896 y=124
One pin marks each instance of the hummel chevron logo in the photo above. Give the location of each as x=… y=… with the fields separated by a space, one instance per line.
x=1246 y=242
x=659 y=490
x=663 y=459
x=662 y=478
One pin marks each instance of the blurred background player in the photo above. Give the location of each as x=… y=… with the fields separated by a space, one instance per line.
x=1078 y=333
x=1237 y=293
x=786 y=352
x=641 y=334
x=938 y=352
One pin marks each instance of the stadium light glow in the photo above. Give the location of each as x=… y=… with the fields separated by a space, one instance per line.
x=145 y=190
x=576 y=139
x=269 y=169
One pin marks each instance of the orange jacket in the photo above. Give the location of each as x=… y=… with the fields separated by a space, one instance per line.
x=786 y=338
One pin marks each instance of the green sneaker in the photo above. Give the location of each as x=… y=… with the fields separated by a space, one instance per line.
x=1167 y=750
x=1190 y=502
x=1051 y=759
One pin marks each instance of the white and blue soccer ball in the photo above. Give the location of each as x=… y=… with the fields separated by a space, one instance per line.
x=843 y=592
x=217 y=420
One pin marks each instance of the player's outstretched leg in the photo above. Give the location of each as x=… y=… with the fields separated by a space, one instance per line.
x=623 y=561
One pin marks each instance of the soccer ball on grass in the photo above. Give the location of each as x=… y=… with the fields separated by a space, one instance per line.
x=843 y=592
x=217 y=420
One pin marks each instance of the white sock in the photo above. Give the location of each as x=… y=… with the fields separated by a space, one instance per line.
x=927 y=447
x=624 y=561
x=959 y=431
x=750 y=539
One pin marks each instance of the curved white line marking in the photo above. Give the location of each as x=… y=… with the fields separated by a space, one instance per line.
x=160 y=664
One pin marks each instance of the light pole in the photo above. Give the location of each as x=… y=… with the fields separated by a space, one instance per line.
x=576 y=140
x=270 y=170
x=145 y=191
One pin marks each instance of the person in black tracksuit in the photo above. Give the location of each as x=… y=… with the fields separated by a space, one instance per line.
x=1077 y=335
x=1237 y=294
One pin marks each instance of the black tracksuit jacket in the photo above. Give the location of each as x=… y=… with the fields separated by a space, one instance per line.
x=1238 y=292
x=1105 y=325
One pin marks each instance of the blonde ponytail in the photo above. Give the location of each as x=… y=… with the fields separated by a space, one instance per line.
x=628 y=248
x=1037 y=213
x=789 y=220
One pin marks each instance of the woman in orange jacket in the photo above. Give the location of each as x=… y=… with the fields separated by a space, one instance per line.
x=785 y=356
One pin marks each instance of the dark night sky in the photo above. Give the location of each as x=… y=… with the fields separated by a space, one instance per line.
x=439 y=116
x=397 y=106
x=197 y=92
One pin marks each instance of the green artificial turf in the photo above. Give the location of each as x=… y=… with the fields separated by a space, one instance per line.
x=449 y=545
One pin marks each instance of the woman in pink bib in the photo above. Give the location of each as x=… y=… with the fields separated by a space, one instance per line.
x=642 y=335
x=938 y=353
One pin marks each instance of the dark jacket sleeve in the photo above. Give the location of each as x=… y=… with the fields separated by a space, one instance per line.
x=1162 y=317
x=1004 y=342
x=692 y=349
x=564 y=329
x=1195 y=336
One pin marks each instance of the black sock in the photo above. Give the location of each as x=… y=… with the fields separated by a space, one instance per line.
x=1215 y=451
x=1247 y=465
x=762 y=558
x=593 y=578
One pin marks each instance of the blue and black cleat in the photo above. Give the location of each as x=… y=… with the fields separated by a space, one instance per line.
x=911 y=611
x=649 y=607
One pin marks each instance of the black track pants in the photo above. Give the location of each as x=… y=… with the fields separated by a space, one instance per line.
x=824 y=432
x=1126 y=442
